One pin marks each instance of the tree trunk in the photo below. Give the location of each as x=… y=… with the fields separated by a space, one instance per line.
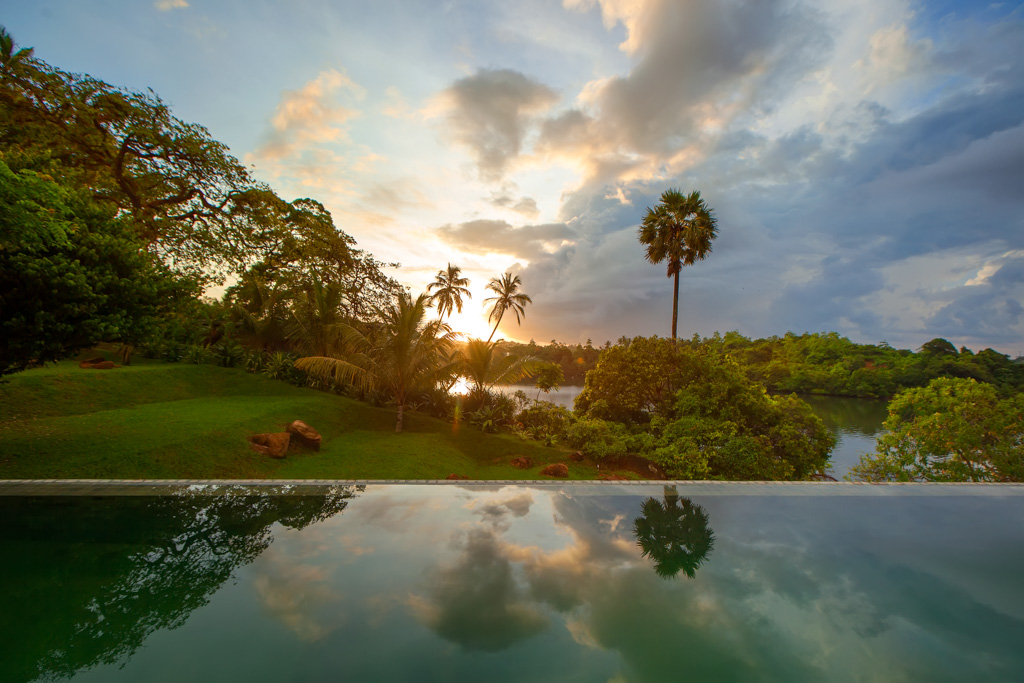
x=398 y=422
x=675 y=304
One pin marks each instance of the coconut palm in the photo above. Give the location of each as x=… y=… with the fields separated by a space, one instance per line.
x=679 y=229
x=483 y=369
x=403 y=355
x=315 y=326
x=674 y=533
x=451 y=287
x=508 y=298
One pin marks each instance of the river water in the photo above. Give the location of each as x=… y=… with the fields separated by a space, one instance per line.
x=856 y=422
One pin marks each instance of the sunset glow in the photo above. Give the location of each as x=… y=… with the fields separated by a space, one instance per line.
x=530 y=138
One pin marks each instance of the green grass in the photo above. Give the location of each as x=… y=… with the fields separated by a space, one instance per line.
x=170 y=420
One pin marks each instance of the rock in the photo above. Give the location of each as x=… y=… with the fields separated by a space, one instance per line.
x=275 y=445
x=576 y=456
x=522 y=462
x=556 y=470
x=304 y=435
x=97 y=364
x=93 y=361
x=456 y=476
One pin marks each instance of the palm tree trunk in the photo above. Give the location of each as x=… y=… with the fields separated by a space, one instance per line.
x=398 y=422
x=675 y=305
x=494 y=330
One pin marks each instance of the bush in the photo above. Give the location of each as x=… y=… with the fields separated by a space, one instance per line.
x=197 y=354
x=598 y=439
x=228 y=354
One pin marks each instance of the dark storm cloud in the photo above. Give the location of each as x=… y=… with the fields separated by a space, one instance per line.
x=491 y=112
x=483 y=236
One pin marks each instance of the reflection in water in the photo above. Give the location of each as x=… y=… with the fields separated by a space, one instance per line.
x=674 y=533
x=97 y=580
x=518 y=583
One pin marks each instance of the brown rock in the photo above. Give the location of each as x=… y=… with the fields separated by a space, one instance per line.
x=522 y=462
x=556 y=470
x=456 y=476
x=304 y=435
x=275 y=445
x=576 y=456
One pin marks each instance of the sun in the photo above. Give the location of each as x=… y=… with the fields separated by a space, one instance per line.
x=471 y=324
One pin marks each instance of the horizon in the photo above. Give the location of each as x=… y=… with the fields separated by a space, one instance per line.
x=863 y=160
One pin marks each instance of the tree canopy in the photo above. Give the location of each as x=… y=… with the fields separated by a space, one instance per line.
x=951 y=430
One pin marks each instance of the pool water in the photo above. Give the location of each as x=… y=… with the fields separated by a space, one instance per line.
x=499 y=582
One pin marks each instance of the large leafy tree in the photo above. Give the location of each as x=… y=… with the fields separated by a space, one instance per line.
x=403 y=355
x=954 y=429
x=507 y=297
x=71 y=272
x=706 y=419
x=451 y=287
x=678 y=230
x=674 y=533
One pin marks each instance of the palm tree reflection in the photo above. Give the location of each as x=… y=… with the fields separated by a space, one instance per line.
x=674 y=533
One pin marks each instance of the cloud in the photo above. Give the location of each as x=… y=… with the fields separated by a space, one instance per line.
x=168 y=5
x=526 y=206
x=310 y=116
x=490 y=113
x=529 y=242
x=475 y=602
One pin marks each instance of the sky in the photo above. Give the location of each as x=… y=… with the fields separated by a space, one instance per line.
x=864 y=158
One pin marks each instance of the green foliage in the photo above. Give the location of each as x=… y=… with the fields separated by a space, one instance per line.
x=71 y=273
x=598 y=439
x=830 y=364
x=951 y=430
x=404 y=356
x=228 y=353
x=278 y=365
x=197 y=354
x=549 y=376
x=702 y=416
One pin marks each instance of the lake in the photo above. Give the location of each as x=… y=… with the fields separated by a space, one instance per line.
x=856 y=422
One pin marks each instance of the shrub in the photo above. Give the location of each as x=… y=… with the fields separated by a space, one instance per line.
x=197 y=354
x=228 y=354
x=598 y=439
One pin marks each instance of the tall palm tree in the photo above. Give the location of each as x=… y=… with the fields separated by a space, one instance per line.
x=508 y=298
x=674 y=533
x=679 y=229
x=451 y=287
x=403 y=355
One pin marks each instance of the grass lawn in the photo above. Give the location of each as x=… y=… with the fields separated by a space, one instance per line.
x=161 y=420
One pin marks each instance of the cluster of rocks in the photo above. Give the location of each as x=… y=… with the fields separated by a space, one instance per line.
x=277 y=444
x=98 y=363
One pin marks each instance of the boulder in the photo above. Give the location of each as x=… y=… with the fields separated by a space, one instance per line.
x=275 y=445
x=556 y=470
x=304 y=435
x=456 y=476
x=522 y=462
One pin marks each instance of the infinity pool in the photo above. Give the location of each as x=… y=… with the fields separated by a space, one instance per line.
x=512 y=582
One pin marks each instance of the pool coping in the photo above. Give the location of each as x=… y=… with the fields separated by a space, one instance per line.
x=130 y=487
